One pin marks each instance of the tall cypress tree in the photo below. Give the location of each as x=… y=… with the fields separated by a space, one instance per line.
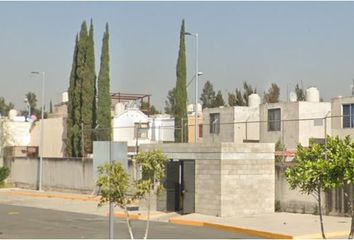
x=72 y=93
x=104 y=101
x=181 y=90
x=88 y=95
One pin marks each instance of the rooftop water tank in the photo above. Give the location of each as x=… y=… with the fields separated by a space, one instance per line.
x=292 y=97
x=312 y=95
x=254 y=100
x=65 y=97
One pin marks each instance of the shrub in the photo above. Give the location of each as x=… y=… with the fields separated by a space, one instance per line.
x=4 y=173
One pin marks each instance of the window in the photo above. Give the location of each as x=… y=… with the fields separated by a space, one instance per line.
x=348 y=116
x=274 y=119
x=214 y=123
x=141 y=130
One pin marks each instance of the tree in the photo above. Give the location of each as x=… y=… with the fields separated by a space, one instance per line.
x=340 y=155
x=88 y=92
x=113 y=182
x=104 y=100
x=272 y=96
x=153 y=166
x=82 y=95
x=151 y=109
x=241 y=99
x=72 y=148
x=300 y=94
x=208 y=95
x=170 y=102
x=181 y=89
x=309 y=174
x=219 y=100
x=4 y=107
x=32 y=101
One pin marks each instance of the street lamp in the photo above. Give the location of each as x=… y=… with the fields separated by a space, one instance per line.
x=41 y=130
x=196 y=82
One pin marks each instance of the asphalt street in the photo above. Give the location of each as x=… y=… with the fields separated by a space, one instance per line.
x=27 y=222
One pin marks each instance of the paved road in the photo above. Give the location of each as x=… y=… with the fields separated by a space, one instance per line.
x=35 y=223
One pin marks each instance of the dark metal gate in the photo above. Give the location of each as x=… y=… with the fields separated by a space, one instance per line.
x=188 y=186
x=180 y=186
x=173 y=186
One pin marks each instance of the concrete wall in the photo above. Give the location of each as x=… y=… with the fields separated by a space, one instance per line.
x=292 y=200
x=313 y=126
x=230 y=179
x=236 y=124
x=227 y=131
x=337 y=119
x=301 y=121
x=54 y=135
x=289 y=131
x=71 y=174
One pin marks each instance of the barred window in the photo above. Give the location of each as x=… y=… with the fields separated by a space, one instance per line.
x=274 y=119
x=348 y=115
x=214 y=123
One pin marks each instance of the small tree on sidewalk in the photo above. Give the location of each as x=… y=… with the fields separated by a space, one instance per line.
x=340 y=154
x=309 y=174
x=113 y=182
x=153 y=165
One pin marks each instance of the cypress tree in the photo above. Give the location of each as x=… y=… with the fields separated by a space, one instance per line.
x=50 y=106
x=72 y=93
x=181 y=90
x=88 y=78
x=104 y=101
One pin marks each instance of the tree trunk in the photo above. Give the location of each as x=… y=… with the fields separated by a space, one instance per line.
x=320 y=211
x=128 y=223
x=148 y=217
x=349 y=200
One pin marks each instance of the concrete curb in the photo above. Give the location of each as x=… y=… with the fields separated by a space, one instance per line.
x=319 y=235
x=228 y=228
x=253 y=232
x=53 y=195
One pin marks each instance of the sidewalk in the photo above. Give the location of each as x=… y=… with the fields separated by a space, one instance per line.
x=275 y=225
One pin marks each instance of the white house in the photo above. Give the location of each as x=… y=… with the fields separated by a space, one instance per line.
x=134 y=127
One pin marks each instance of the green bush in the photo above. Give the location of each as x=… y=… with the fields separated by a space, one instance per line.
x=4 y=173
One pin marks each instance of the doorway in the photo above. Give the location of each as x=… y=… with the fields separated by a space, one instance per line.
x=180 y=186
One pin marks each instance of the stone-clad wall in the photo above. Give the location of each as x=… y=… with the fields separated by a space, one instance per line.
x=208 y=187
x=247 y=186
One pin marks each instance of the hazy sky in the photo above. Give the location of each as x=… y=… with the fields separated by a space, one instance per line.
x=258 y=42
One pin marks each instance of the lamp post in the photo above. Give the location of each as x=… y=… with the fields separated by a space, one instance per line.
x=41 y=133
x=196 y=83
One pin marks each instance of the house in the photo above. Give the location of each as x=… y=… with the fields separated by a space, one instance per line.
x=342 y=109
x=296 y=122
x=131 y=125
x=191 y=123
x=236 y=124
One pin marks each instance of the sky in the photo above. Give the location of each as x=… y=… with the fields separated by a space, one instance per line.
x=257 y=42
